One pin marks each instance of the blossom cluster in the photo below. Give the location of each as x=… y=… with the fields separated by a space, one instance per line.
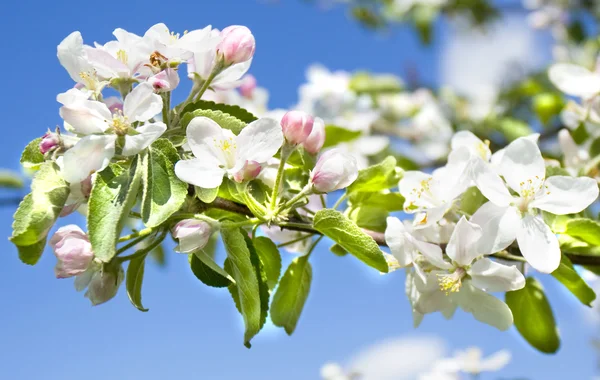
x=222 y=164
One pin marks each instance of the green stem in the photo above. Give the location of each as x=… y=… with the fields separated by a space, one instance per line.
x=294 y=241
x=245 y=223
x=313 y=246
x=143 y=251
x=215 y=71
x=507 y=256
x=166 y=108
x=340 y=200
x=291 y=202
x=132 y=243
x=286 y=151
x=144 y=232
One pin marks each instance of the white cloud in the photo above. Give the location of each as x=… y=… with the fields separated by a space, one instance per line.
x=398 y=358
x=476 y=63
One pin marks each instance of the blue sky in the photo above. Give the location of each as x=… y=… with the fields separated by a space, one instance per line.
x=48 y=331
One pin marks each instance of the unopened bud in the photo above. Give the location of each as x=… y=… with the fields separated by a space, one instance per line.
x=314 y=142
x=248 y=172
x=193 y=234
x=334 y=170
x=50 y=141
x=104 y=285
x=73 y=251
x=165 y=81
x=237 y=45
x=248 y=85
x=297 y=126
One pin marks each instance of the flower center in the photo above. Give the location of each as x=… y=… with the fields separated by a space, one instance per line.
x=228 y=146
x=120 y=123
x=421 y=194
x=122 y=56
x=90 y=79
x=528 y=190
x=483 y=149
x=451 y=283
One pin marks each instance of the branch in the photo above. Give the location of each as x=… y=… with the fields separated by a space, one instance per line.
x=297 y=224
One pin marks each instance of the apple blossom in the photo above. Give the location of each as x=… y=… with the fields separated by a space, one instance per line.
x=404 y=245
x=73 y=56
x=165 y=81
x=218 y=152
x=464 y=281
x=576 y=157
x=315 y=140
x=73 y=251
x=101 y=128
x=575 y=80
x=296 y=126
x=334 y=170
x=237 y=45
x=102 y=283
x=193 y=234
x=50 y=141
x=506 y=217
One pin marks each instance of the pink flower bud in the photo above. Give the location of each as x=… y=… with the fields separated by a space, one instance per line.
x=165 y=81
x=248 y=172
x=73 y=251
x=104 y=285
x=237 y=45
x=297 y=126
x=50 y=141
x=248 y=85
x=334 y=170
x=193 y=234
x=314 y=142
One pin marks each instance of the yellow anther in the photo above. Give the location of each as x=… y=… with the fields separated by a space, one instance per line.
x=122 y=56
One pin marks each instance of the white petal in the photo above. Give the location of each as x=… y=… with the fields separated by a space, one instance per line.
x=202 y=172
x=462 y=247
x=91 y=154
x=411 y=182
x=142 y=103
x=490 y=184
x=522 y=162
x=72 y=57
x=574 y=80
x=106 y=65
x=491 y=276
x=468 y=140
x=484 y=307
x=499 y=226
x=566 y=195
x=431 y=302
x=87 y=116
x=495 y=361
x=148 y=133
x=432 y=252
x=201 y=134
x=538 y=244
x=259 y=141
x=395 y=237
x=229 y=78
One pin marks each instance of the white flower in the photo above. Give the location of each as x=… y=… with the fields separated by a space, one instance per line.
x=470 y=361
x=405 y=246
x=575 y=80
x=178 y=48
x=193 y=234
x=433 y=195
x=101 y=128
x=575 y=156
x=218 y=152
x=73 y=56
x=465 y=280
x=334 y=170
x=507 y=217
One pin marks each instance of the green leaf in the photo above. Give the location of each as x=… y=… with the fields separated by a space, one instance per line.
x=371 y=218
x=367 y=83
x=580 y=134
x=224 y=120
x=10 y=179
x=30 y=254
x=335 y=135
x=158 y=255
x=244 y=266
x=375 y=178
x=133 y=281
x=233 y=110
x=337 y=250
x=557 y=223
x=270 y=258
x=349 y=236
x=113 y=194
x=556 y=170
x=512 y=129
x=569 y=277
x=533 y=316
x=163 y=192
x=291 y=294
x=471 y=200
x=207 y=195
x=32 y=158
x=39 y=210
x=208 y=271
x=386 y=201
x=585 y=229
